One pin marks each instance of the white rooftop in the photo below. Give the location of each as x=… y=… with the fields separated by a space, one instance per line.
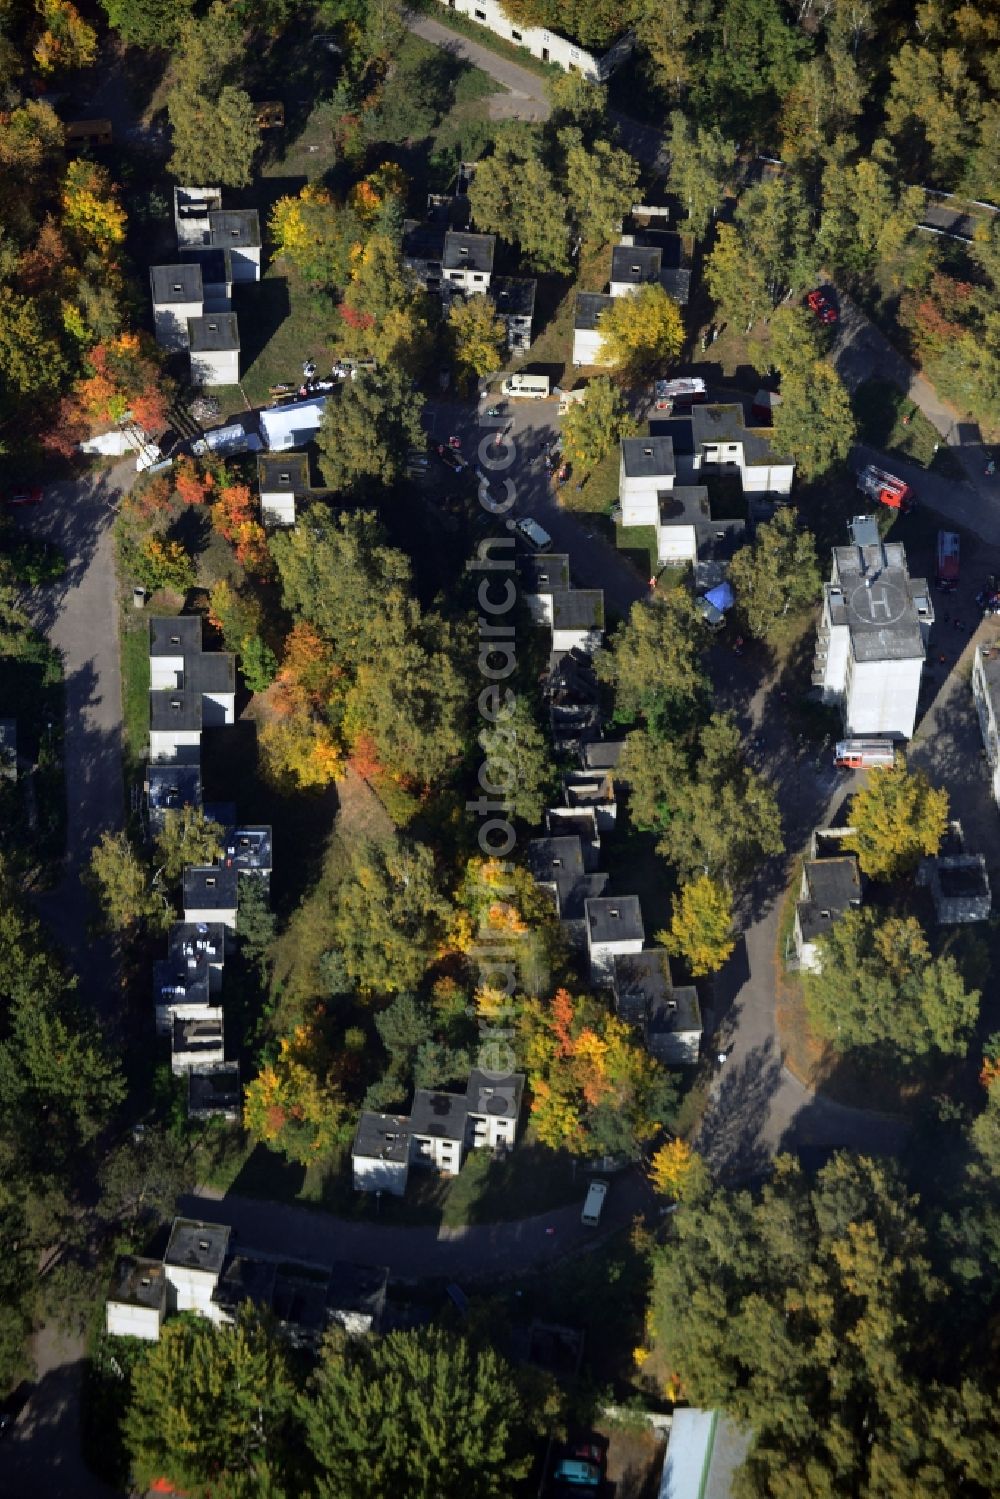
x=292 y=426
x=703 y=1454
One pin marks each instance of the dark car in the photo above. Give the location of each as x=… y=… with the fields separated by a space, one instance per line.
x=819 y=303
x=451 y=459
x=26 y=494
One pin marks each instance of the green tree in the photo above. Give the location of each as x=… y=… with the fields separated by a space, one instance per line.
x=654 y=660
x=366 y=1422
x=867 y=216
x=796 y=342
x=880 y=987
x=255 y=926
x=516 y=194
x=814 y=423
x=369 y=425
x=735 y=281
x=578 y=101
x=187 y=837
x=752 y=59
x=478 y=338
x=778 y=573
x=775 y=224
x=122 y=884
x=701 y=166
x=214 y=127
x=389 y=915
x=701 y=928
x=713 y=814
x=932 y=112
x=600 y=184
x=897 y=818
x=592 y=428
x=208 y=1403
x=147 y=23
x=518 y=760
x=668 y=30
x=31 y=359
x=809 y=1312
x=642 y=332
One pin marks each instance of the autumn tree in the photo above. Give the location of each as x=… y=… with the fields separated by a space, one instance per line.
x=295 y=1103
x=594 y=1089
x=713 y=815
x=775 y=222
x=91 y=213
x=66 y=41
x=384 y=313
x=210 y=1404
x=778 y=573
x=879 y=987
x=810 y=1313
x=122 y=884
x=701 y=928
x=369 y=425
x=655 y=660
x=478 y=338
x=897 y=818
x=316 y=235
x=701 y=166
x=389 y=915
x=796 y=341
x=187 y=837
x=678 y=1172
x=642 y=332
x=300 y=745
x=366 y=1428
x=236 y=517
x=814 y=424
x=496 y=902
x=668 y=29
x=593 y=428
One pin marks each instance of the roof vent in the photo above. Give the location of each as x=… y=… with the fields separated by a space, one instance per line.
x=203 y=1245
x=145 y=1281
x=210 y=882
x=284 y=478
x=463 y=250
x=614 y=913
x=556 y=863
x=175 y=704
x=648 y=452
x=825 y=915
x=175 y=640
x=671 y=1004
x=635 y=270
x=178 y=286
x=213 y=327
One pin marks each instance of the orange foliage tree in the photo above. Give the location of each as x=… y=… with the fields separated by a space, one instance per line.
x=192 y=483
x=234 y=517
x=122 y=380
x=299 y=746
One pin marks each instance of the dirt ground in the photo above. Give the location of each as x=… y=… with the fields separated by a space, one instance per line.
x=635 y=1463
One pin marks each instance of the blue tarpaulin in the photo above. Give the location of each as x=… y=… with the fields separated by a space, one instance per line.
x=721 y=596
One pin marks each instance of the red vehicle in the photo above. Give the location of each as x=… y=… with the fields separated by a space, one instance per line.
x=948 y=551
x=885 y=488
x=26 y=495
x=819 y=303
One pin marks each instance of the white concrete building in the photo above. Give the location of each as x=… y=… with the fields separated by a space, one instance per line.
x=986 y=696
x=281 y=479
x=578 y=620
x=238 y=231
x=439 y=1123
x=723 y=443
x=214 y=345
x=547 y=46
x=514 y=300
x=177 y=297
x=646 y=472
x=191 y=689
x=614 y=928
x=193 y=1263
x=467 y=262
x=494 y=1108
x=668 y=1018
x=210 y=893
x=587 y=341
x=829 y=889
x=183 y=990
x=192 y=206
x=137 y=1299
x=175 y=725
x=380 y=1156
x=872 y=637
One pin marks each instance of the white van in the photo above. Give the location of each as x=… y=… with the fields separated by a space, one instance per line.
x=596 y=1193
x=535 y=535
x=531 y=387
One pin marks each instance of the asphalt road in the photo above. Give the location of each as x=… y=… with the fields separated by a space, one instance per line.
x=524 y=97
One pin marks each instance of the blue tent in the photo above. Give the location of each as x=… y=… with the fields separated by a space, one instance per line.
x=721 y=596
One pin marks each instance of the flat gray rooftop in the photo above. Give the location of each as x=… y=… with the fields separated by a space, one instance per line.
x=386 y=1137
x=873 y=594
x=215 y=264
x=178 y=980
x=441 y=1115
x=553 y=859
x=463 y=251
x=176 y=283
x=233 y=228
x=196 y=1245
x=215 y=333
x=635 y=265
x=174 y=635
x=283 y=472
x=615 y=919
x=187 y=941
x=499 y=1098
x=215 y=1090
x=544 y=572
x=578 y=609
x=513 y=296
x=647 y=457
x=588 y=308
x=174 y=709
x=726 y=423
x=139 y=1282
x=211 y=887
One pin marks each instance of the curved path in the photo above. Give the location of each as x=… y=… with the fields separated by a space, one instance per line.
x=525 y=97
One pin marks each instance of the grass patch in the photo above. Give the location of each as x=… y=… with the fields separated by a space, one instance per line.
x=888 y=420
x=135 y=689
x=640 y=544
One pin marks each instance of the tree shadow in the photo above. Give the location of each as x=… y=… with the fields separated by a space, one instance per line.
x=729 y=1136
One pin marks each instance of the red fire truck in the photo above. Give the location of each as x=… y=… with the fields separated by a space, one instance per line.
x=948 y=545
x=885 y=488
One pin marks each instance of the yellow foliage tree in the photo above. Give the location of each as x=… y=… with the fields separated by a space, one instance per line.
x=897 y=817
x=66 y=40
x=642 y=332
x=678 y=1172
x=294 y=1104
x=701 y=931
x=300 y=750
x=91 y=212
x=478 y=337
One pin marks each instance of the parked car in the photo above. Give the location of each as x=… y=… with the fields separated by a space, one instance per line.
x=531 y=532
x=572 y=1476
x=451 y=459
x=27 y=494
x=819 y=303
